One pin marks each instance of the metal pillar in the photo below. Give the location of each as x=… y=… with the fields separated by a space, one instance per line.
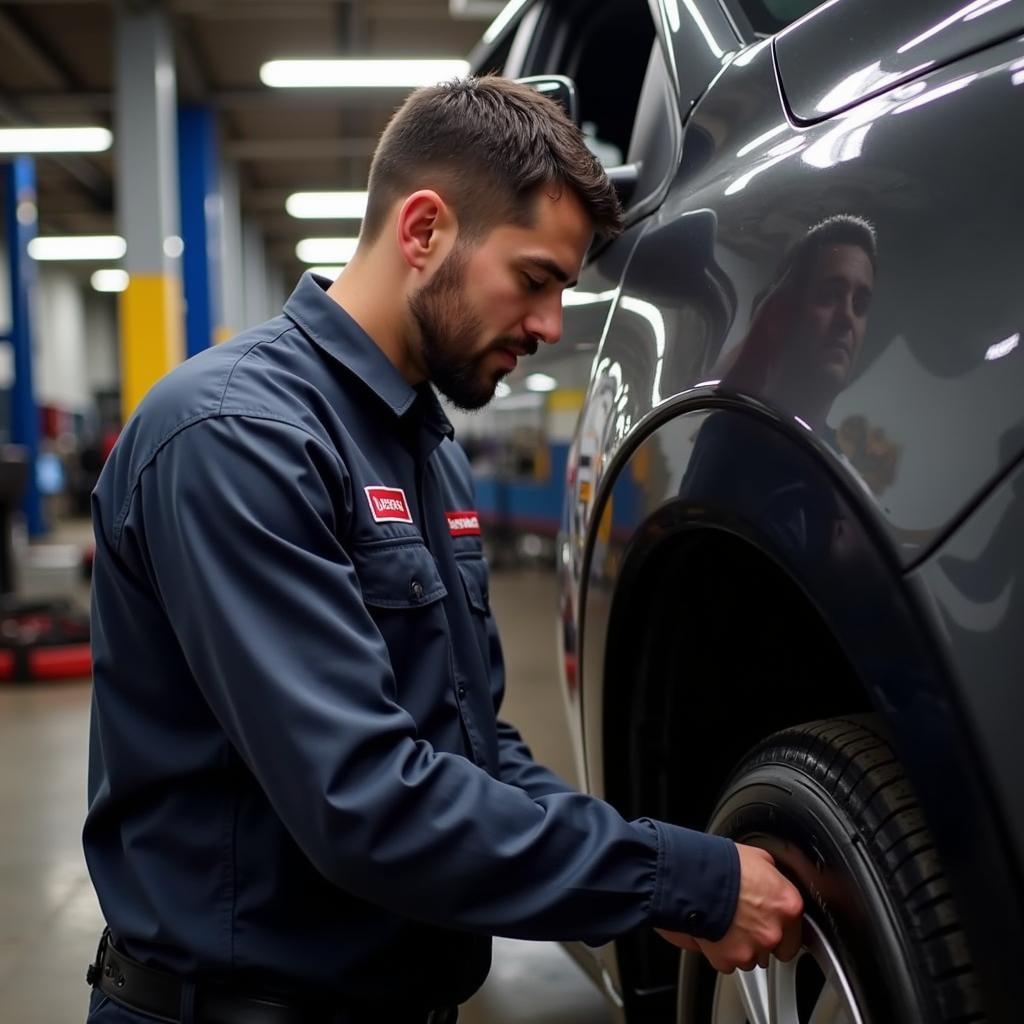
x=202 y=226
x=19 y=191
x=232 y=270
x=147 y=198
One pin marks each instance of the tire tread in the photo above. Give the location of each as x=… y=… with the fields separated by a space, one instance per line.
x=855 y=764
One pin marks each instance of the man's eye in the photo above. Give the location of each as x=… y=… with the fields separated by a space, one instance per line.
x=532 y=284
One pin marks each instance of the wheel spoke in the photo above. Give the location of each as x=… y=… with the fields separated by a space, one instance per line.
x=753 y=991
x=781 y=991
x=830 y=1007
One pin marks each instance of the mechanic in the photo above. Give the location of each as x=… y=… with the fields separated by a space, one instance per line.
x=302 y=804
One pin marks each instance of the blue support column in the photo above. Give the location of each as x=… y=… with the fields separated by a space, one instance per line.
x=19 y=191
x=201 y=224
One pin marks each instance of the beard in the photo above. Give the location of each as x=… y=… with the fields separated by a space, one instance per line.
x=449 y=329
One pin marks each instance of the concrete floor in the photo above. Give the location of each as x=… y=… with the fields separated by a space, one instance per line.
x=49 y=920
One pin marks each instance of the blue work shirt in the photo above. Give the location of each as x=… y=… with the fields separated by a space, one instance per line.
x=297 y=773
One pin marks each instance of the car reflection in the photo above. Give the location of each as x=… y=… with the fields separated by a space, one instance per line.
x=808 y=327
x=800 y=349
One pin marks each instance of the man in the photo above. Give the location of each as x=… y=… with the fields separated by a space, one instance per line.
x=303 y=807
x=806 y=332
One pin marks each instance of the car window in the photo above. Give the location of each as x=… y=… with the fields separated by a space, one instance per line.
x=606 y=54
x=766 y=17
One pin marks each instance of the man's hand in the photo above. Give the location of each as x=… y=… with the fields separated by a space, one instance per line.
x=766 y=921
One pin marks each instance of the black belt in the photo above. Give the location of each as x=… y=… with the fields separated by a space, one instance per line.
x=160 y=994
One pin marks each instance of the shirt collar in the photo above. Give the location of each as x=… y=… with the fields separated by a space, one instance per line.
x=331 y=327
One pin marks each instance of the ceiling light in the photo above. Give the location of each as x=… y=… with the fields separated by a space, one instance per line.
x=326 y=250
x=341 y=205
x=540 y=382
x=111 y=280
x=331 y=272
x=77 y=247
x=55 y=140
x=502 y=390
x=359 y=74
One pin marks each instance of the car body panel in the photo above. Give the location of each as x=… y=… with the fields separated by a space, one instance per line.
x=974 y=585
x=844 y=53
x=944 y=328
x=780 y=491
x=699 y=40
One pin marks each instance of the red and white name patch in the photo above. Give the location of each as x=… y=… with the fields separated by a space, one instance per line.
x=388 y=504
x=463 y=524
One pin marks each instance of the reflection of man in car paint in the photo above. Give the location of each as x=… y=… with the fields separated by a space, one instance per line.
x=797 y=355
x=807 y=330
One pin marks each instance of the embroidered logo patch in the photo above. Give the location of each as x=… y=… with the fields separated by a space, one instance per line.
x=388 y=504
x=463 y=524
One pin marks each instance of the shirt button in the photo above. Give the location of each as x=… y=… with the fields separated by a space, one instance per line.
x=694 y=919
x=416 y=589
x=462 y=691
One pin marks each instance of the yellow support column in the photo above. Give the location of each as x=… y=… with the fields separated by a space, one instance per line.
x=151 y=334
x=151 y=309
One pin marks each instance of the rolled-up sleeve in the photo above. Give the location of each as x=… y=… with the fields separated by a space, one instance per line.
x=240 y=519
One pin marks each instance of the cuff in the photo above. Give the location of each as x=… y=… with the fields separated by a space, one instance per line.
x=697 y=884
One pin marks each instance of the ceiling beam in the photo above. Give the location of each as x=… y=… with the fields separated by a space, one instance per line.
x=299 y=149
x=192 y=77
x=50 y=103
x=247 y=9
x=18 y=37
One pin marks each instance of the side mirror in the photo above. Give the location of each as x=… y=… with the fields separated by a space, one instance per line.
x=559 y=88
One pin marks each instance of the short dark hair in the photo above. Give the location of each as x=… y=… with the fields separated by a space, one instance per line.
x=487 y=145
x=841 y=229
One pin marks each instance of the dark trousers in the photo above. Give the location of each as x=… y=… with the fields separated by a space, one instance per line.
x=103 y=1010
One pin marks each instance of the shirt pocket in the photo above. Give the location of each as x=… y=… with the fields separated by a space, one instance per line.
x=398 y=575
x=473 y=570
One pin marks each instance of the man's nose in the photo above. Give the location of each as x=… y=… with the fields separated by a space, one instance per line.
x=842 y=312
x=545 y=322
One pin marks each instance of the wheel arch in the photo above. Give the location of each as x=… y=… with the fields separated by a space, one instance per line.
x=661 y=594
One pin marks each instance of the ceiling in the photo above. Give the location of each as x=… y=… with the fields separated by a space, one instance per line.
x=57 y=67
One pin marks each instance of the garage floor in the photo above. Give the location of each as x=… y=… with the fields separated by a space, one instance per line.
x=49 y=920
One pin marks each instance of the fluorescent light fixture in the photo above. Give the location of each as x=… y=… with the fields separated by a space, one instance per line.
x=110 y=280
x=540 y=382
x=502 y=390
x=341 y=205
x=77 y=247
x=55 y=140
x=326 y=250
x=359 y=74
x=331 y=272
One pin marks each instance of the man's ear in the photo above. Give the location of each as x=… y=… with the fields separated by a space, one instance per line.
x=426 y=228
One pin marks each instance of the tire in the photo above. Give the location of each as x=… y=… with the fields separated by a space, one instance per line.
x=882 y=940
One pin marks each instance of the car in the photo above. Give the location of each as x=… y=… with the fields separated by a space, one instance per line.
x=791 y=560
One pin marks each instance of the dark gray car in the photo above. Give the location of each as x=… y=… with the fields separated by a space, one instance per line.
x=792 y=557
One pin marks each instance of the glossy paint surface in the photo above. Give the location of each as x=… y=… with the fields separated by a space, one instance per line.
x=714 y=463
x=917 y=401
x=975 y=586
x=842 y=53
